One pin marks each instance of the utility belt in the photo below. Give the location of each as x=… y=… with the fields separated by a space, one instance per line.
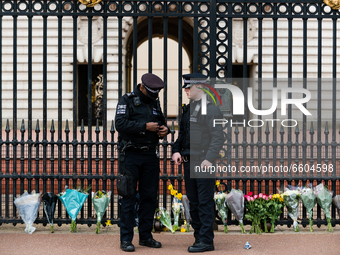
x=130 y=146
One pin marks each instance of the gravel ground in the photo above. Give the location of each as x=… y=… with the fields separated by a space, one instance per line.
x=14 y=241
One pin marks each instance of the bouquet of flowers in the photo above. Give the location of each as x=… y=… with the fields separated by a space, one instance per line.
x=73 y=200
x=28 y=207
x=235 y=202
x=176 y=205
x=186 y=209
x=324 y=199
x=291 y=199
x=100 y=201
x=336 y=202
x=219 y=198
x=256 y=211
x=309 y=201
x=50 y=201
x=164 y=218
x=273 y=209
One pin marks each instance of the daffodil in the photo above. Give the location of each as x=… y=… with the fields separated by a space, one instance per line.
x=183 y=230
x=170 y=187
x=173 y=192
x=179 y=196
x=108 y=223
x=217 y=184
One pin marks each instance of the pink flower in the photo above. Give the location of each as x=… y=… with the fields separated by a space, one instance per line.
x=249 y=199
x=250 y=193
x=252 y=199
x=260 y=195
x=266 y=198
x=245 y=196
x=270 y=196
x=255 y=196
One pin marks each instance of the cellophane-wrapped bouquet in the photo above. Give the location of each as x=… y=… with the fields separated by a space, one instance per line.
x=291 y=198
x=324 y=199
x=50 y=202
x=235 y=202
x=28 y=207
x=186 y=209
x=176 y=206
x=219 y=198
x=73 y=200
x=309 y=201
x=164 y=218
x=101 y=200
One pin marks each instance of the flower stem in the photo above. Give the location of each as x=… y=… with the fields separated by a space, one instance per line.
x=310 y=224
x=265 y=226
x=52 y=229
x=225 y=226
x=98 y=228
x=188 y=228
x=73 y=226
x=273 y=226
x=330 y=229
x=242 y=228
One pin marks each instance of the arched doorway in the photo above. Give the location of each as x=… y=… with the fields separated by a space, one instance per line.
x=157 y=57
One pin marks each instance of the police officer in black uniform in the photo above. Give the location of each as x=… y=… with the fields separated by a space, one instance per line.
x=141 y=123
x=199 y=144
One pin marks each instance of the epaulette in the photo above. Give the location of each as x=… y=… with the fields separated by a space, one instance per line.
x=130 y=94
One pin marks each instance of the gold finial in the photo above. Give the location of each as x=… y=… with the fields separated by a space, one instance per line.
x=90 y=3
x=334 y=4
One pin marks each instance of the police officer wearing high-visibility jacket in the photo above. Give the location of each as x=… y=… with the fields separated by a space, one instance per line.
x=198 y=146
x=141 y=123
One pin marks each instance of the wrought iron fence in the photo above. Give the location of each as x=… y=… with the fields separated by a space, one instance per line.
x=47 y=157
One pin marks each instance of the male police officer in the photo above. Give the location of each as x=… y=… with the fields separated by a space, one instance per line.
x=198 y=145
x=140 y=123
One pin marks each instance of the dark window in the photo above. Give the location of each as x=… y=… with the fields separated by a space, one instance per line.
x=97 y=94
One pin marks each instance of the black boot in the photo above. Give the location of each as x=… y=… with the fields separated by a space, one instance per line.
x=201 y=247
x=150 y=243
x=127 y=246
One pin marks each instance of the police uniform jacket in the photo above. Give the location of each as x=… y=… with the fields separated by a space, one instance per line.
x=206 y=140
x=134 y=110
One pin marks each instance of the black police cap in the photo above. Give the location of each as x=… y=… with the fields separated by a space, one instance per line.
x=153 y=84
x=193 y=78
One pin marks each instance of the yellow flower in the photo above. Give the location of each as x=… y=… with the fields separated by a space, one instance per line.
x=217 y=184
x=170 y=187
x=157 y=217
x=173 y=192
x=182 y=230
x=165 y=229
x=108 y=223
x=179 y=196
x=185 y=222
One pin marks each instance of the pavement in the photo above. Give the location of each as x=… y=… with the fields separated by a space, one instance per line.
x=13 y=240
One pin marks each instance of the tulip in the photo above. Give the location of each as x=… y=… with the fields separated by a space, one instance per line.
x=270 y=196
x=250 y=193
x=255 y=196
x=245 y=196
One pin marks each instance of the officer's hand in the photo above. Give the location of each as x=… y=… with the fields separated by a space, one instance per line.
x=163 y=131
x=177 y=158
x=205 y=163
x=152 y=126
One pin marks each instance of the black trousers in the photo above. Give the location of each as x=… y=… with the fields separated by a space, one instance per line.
x=144 y=166
x=200 y=192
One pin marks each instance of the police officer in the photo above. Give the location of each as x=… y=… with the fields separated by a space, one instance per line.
x=198 y=145
x=141 y=123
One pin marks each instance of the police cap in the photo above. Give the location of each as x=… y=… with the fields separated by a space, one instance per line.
x=153 y=84
x=193 y=78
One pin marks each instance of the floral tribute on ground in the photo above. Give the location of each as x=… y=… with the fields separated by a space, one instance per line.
x=28 y=207
x=73 y=200
x=101 y=201
x=219 y=198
